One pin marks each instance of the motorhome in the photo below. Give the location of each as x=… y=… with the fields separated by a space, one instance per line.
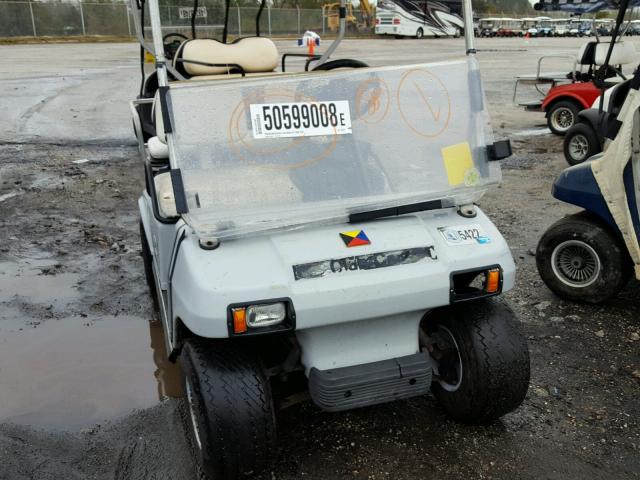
x=418 y=18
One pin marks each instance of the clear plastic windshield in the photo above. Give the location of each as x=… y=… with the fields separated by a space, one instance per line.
x=282 y=152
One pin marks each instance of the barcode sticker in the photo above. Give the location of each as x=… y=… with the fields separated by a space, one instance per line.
x=300 y=119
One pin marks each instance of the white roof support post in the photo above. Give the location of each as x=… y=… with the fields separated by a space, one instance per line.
x=469 y=34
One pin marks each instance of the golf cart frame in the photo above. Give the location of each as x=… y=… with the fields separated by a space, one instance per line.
x=590 y=256
x=354 y=260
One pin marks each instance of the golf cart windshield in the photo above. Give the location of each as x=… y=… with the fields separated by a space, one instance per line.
x=282 y=152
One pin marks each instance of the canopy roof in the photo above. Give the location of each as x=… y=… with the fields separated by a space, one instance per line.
x=582 y=6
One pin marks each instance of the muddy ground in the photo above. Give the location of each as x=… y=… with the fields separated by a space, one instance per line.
x=84 y=390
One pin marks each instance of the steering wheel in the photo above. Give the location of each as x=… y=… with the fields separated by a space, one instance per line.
x=341 y=63
x=170 y=48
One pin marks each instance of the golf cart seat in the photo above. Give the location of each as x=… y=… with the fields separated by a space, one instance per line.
x=587 y=53
x=595 y=53
x=197 y=57
x=624 y=53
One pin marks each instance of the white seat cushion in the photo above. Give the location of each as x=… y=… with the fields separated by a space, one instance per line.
x=624 y=53
x=164 y=193
x=253 y=54
x=158 y=149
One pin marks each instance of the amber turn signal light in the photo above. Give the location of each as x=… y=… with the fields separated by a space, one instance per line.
x=239 y=320
x=493 y=281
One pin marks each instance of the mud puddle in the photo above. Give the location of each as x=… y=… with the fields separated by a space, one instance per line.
x=66 y=370
x=71 y=373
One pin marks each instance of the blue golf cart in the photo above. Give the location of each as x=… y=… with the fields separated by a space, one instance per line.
x=590 y=256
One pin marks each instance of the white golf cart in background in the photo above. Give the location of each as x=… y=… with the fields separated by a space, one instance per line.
x=321 y=224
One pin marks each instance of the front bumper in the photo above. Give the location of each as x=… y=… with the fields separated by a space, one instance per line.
x=370 y=384
x=386 y=30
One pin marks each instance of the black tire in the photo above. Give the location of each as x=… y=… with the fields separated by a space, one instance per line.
x=419 y=33
x=230 y=407
x=561 y=116
x=580 y=143
x=494 y=358
x=340 y=63
x=147 y=260
x=580 y=259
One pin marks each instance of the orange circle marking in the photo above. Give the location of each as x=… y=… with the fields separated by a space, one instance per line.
x=371 y=96
x=244 y=147
x=427 y=93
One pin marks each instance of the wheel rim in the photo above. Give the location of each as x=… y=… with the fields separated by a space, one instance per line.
x=449 y=369
x=578 y=147
x=575 y=264
x=192 y=414
x=562 y=119
x=419 y=33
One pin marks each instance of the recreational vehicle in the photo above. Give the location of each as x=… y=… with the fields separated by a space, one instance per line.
x=418 y=18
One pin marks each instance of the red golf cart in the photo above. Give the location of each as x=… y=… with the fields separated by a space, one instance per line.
x=563 y=96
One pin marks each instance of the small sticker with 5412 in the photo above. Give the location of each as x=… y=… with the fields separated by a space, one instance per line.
x=465 y=235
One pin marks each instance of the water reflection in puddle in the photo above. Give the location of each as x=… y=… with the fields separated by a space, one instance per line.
x=168 y=375
x=73 y=373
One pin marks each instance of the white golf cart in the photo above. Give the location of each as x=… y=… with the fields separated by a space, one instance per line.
x=322 y=224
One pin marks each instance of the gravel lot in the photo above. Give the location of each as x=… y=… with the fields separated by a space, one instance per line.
x=85 y=392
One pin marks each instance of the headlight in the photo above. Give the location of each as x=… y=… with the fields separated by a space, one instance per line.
x=261 y=317
x=266 y=315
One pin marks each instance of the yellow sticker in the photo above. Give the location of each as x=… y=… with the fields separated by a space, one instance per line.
x=149 y=58
x=457 y=161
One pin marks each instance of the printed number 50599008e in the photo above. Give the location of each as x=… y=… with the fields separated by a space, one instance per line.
x=300 y=119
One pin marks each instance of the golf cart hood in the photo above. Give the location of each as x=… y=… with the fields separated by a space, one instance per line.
x=258 y=155
x=405 y=266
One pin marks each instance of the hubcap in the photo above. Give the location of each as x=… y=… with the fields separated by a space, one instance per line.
x=578 y=147
x=447 y=354
x=562 y=119
x=192 y=413
x=575 y=263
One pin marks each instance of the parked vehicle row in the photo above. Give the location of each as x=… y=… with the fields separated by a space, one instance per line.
x=548 y=27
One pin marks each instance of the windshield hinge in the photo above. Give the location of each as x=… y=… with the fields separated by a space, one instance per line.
x=499 y=150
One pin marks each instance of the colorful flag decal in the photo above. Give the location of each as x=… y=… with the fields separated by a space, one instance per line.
x=355 y=239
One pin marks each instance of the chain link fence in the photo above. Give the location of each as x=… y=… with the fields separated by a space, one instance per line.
x=84 y=18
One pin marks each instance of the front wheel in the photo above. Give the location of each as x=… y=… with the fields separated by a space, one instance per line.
x=231 y=417
x=580 y=143
x=579 y=258
x=562 y=116
x=483 y=360
x=419 y=33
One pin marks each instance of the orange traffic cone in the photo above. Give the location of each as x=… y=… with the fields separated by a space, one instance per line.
x=311 y=45
x=527 y=36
